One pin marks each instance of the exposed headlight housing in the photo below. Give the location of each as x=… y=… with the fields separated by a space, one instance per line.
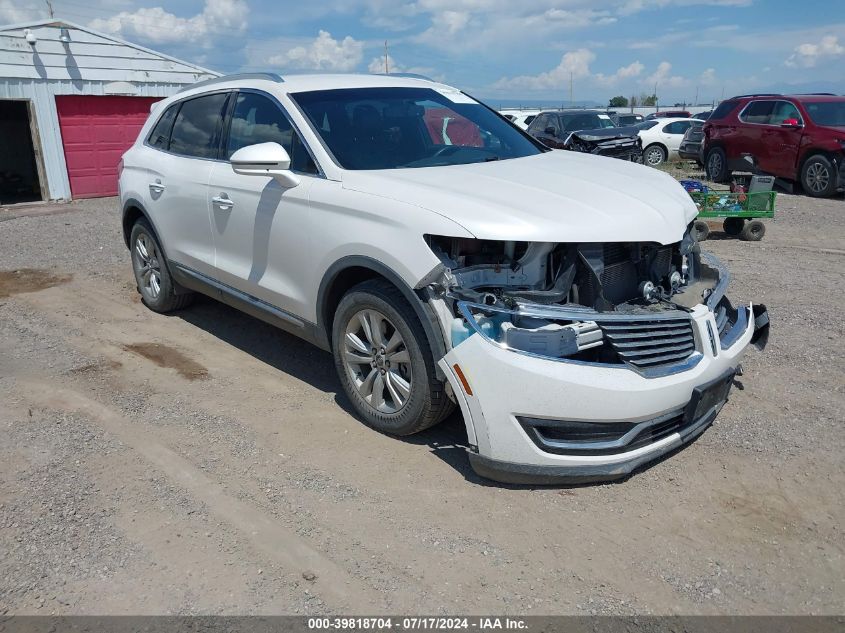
x=542 y=335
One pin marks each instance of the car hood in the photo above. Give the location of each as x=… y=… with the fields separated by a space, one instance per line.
x=557 y=196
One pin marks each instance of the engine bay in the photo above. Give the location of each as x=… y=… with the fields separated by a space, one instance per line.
x=613 y=302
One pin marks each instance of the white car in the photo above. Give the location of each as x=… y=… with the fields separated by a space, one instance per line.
x=520 y=118
x=662 y=137
x=444 y=258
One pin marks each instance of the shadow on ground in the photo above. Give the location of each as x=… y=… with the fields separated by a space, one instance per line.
x=299 y=359
x=303 y=361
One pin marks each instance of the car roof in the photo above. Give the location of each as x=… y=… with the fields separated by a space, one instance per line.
x=808 y=98
x=573 y=111
x=672 y=119
x=316 y=81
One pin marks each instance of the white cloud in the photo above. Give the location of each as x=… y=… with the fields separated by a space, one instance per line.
x=663 y=77
x=11 y=13
x=625 y=72
x=574 y=64
x=808 y=55
x=708 y=77
x=376 y=66
x=156 y=25
x=323 y=53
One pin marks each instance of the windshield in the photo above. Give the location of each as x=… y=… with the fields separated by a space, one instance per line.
x=646 y=125
x=392 y=128
x=585 y=121
x=830 y=113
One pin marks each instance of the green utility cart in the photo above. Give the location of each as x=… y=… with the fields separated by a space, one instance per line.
x=741 y=209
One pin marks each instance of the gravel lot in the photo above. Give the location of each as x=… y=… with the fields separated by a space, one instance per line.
x=204 y=462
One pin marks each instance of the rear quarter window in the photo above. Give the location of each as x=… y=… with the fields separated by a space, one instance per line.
x=160 y=136
x=723 y=110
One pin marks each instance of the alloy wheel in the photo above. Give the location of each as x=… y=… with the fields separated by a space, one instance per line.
x=377 y=361
x=818 y=177
x=654 y=156
x=147 y=265
x=714 y=165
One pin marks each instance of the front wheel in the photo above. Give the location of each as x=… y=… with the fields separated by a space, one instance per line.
x=384 y=361
x=817 y=177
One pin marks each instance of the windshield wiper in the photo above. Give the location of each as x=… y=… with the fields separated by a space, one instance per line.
x=490 y=159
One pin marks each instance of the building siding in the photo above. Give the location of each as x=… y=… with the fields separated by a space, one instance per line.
x=91 y=64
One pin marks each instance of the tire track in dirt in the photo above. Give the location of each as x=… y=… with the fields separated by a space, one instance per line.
x=291 y=551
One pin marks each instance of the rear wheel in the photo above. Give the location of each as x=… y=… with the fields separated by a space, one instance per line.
x=700 y=230
x=384 y=361
x=817 y=177
x=753 y=231
x=733 y=226
x=716 y=165
x=654 y=155
x=151 y=273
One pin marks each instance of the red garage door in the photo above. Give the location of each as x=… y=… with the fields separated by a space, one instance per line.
x=95 y=133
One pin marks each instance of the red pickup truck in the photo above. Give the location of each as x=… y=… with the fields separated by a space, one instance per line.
x=795 y=137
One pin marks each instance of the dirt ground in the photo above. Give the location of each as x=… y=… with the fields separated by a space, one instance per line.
x=204 y=462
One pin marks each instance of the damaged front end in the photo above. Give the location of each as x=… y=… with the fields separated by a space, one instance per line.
x=614 y=304
x=620 y=143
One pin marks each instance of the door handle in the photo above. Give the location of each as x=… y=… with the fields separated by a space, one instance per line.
x=156 y=187
x=223 y=202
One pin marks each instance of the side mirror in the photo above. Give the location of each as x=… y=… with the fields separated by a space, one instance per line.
x=790 y=123
x=264 y=159
x=550 y=131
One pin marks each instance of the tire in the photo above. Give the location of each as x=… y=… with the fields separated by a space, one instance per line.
x=397 y=397
x=716 y=165
x=152 y=276
x=654 y=155
x=818 y=178
x=700 y=230
x=753 y=231
x=733 y=226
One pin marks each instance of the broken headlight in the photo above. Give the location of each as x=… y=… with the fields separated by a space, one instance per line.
x=551 y=332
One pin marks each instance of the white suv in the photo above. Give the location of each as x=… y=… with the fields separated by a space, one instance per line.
x=443 y=257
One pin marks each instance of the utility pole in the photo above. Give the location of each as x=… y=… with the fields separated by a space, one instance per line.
x=49 y=8
x=696 y=96
x=386 y=62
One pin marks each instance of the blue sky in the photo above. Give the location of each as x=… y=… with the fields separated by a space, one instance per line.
x=498 y=49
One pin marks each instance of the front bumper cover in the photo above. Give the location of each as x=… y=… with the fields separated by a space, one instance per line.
x=507 y=386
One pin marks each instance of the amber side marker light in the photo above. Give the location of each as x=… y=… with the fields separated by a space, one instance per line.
x=462 y=378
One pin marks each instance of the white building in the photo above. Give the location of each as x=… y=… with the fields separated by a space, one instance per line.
x=71 y=101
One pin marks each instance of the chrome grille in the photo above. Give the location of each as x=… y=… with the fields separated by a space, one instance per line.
x=646 y=343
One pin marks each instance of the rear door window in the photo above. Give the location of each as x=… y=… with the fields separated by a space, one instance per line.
x=758 y=112
x=196 y=132
x=677 y=127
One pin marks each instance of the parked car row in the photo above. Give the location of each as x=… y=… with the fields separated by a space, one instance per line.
x=797 y=138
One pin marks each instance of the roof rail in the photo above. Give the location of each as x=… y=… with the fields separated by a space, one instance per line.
x=236 y=77
x=816 y=94
x=761 y=94
x=405 y=75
